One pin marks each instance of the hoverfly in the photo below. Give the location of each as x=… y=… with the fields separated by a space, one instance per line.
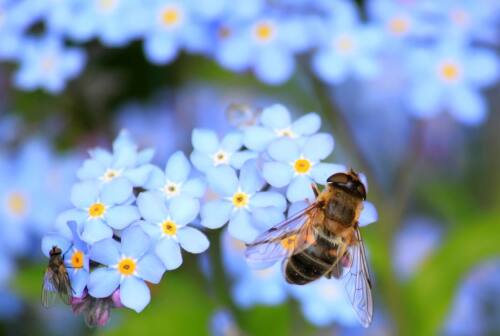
x=323 y=240
x=56 y=280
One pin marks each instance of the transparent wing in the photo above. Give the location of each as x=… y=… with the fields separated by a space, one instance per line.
x=358 y=283
x=64 y=286
x=289 y=237
x=49 y=292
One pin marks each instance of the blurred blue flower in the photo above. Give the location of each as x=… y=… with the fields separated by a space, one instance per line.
x=275 y=122
x=476 y=309
x=128 y=265
x=324 y=302
x=46 y=63
x=100 y=210
x=251 y=286
x=267 y=45
x=296 y=164
x=210 y=152
x=248 y=210
x=222 y=323
x=167 y=224
x=125 y=161
x=449 y=77
x=172 y=26
x=175 y=181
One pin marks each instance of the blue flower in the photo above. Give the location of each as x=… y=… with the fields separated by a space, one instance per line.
x=128 y=264
x=276 y=123
x=125 y=161
x=325 y=301
x=210 y=152
x=222 y=323
x=248 y=210
x=167 y=224
x=100 y=210
x=175 y=182
x=297 y=164
x=171 y=26
x=449 y=77
x=251 y=287
x=46 y=63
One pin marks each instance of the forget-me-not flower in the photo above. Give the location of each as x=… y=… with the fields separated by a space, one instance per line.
x=275 y=122
x=100 y=210
x=175 y=181
x=46 y=63
x=167 y=224
x=210 y=152
x=242 y=204
x=296 y=164
x=125 y=161
x=128 y=264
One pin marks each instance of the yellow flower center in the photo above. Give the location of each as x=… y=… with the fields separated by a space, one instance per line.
x=264 y=31
x=107 y=5
x=126 y=266
x=77 y=259
x=110 y=174
x=97 y=210
x=399 y=25
x=17 y=203
x=288 y=243
x=302 y=166
x=240 y=199
x=344 y=44
x=171 y=16
x=169 y=227
x=285 y=132
x=450 y=71
x=171 y=189
x=220 y=157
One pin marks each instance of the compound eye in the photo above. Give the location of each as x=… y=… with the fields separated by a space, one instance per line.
x=338 y=178
x=361 y=190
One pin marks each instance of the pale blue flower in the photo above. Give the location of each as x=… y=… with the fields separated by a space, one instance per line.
x=241 y=203
x=210 y=152
x=101 y=210
x=275 y=122
x=46 y=63
x=128 y=264
x=125 y=161
x=175 y=181
x=449 y=78
x=297 y=164
x=168 y=225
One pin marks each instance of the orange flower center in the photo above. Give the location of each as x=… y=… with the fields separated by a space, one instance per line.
x=126 y=266
x=302 y=166
x=264 y=31
x=17 y=204
x=344 y=44
x=450 y=71
x=171 y=16
x=399 y=25
x=288 y=243
x=169 y=227
x=240 y=199
x=77 y=259
x=97 y=210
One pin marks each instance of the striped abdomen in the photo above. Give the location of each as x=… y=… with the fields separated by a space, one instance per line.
x=317 y=260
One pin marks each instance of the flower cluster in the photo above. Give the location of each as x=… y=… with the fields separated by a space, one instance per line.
x=433 y=44
x=131 y=219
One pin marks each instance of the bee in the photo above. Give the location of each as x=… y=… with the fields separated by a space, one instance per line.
x=56 y=280
x=323 y=240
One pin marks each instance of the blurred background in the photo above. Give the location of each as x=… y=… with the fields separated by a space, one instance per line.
x=409 y=90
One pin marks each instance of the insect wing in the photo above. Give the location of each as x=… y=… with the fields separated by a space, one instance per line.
x=49 y=291
x=358 y=283
x=289 y=237
x=64 y=289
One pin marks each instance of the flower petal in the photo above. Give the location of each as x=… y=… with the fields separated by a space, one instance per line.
x=322 y=171
x=239 y=158
x=201 y=161
x=169 y=253
x=269 y=199
x=240 y=227
x=95 y=230
x=116 y=191
x=91 y=169
x=134 y=293
x=232 y=142
x=103 y=282
x=184 y=209
x=266 y=218
x=318 y=147
x=277 y=174
x=300 y=189
x=250 y=179
x=135 y=242
x=223 y=180
x=119 y=217
x=307 y=124
x=205 y=141
x=215 y=214
x=150 y=268
x=140 y=175
x=106 y=252
x=258 y=138
x=79 y=279
x=275 y=117
x=152 y=206
x=178 y=167
x=194 y=187
x=368 y=215
x=52 y=240
x=193 y=240
x=84 y=194
x=284 y=150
